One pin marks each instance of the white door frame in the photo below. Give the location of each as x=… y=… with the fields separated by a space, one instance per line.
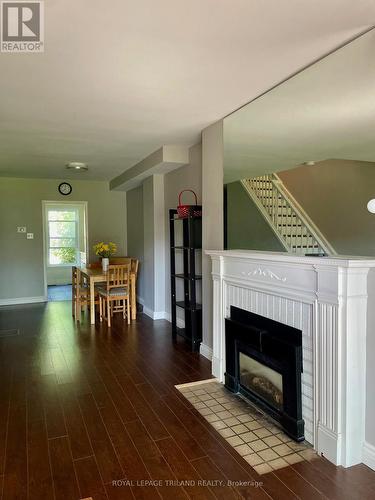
x=45 y=204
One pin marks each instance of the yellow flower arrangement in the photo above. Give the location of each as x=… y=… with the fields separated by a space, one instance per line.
x=105 y=249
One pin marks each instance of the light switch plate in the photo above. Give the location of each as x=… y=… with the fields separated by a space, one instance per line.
x=30 y=236
x=21 y=229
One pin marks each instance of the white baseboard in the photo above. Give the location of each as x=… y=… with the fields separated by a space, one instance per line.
x=22 y=300
x=206 y=351
x=154 y=314
x=368 y=455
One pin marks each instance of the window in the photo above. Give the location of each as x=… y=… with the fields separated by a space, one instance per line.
x=62 y=236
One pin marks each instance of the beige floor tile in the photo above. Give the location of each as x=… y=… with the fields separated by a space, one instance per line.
x=199 y=392
x=236 y=411
x=308 y=454
x=236 y=441
x=293 y=459
x=245 y=418
x=297 y=446
x=244 y=449
x=238 y=429
x=253 y=425
x=262 y=469
x=217 y=408
x=248 y=437
x=205 y=397
x=224 y=414
x=228 y=406
x=258 y=445
x=272 y=441
x=279 y=463
x=193 y=399
x=222 y=399
x=226 y=432
x=212 y=418
x=282 y=450
x=199 y=406
x=283 y=437
x=231 y=421
x=253 y=459
x=268 y=455
x=205 y=411
x=262 y=433
x=219 y=424
x=212 y=403
x=273 y=429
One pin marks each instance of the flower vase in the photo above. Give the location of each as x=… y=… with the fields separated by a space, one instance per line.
x=105 y=264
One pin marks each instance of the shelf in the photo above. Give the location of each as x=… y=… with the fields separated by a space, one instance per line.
x=188 y=245
x=181 y=332
x=187 y=277
x=188 y=306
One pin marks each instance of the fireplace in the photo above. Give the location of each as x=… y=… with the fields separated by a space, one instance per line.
x=264 y=363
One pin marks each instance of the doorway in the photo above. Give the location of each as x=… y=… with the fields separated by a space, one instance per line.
x=65 y=245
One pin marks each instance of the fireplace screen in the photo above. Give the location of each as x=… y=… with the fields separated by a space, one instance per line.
x=261 y=380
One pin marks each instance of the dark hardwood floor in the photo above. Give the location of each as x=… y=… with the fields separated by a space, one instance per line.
x=91 y=412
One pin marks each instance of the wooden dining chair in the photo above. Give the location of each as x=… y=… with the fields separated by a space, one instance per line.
x=119 y=260
x=80 y=294
x=115 y=296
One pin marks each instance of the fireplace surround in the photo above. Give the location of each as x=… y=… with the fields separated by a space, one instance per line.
x=264 y=363
x=327 y=299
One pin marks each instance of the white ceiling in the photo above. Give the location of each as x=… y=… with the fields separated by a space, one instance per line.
x=119 y=79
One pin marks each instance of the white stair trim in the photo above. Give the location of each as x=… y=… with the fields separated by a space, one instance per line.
x=263 y=211
x=290 y=223
x=305 y=218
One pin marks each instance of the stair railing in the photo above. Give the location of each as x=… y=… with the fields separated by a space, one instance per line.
x=290 y=223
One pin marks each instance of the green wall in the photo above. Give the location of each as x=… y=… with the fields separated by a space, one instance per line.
x=246 y=227
x=21 y=260
x=334 y=193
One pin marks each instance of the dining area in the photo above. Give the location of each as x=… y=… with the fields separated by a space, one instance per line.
x=105 y=287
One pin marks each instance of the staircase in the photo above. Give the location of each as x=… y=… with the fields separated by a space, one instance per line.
x=290 y=223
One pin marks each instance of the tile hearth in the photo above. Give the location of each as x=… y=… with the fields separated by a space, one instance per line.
x=252 y=434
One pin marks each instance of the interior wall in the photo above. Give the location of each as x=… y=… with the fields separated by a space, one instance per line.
x=22 y=269
x=135 y=230
x=334 y=193
x=187 y=177
x=213 y=217
x=246 y=227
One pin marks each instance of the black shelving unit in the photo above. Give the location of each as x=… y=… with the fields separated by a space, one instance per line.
x=190 y=253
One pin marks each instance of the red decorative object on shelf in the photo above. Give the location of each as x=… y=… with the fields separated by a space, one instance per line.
x=184 y=211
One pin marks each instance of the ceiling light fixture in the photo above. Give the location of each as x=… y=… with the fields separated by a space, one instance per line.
x=77 y=165
x=310 y=163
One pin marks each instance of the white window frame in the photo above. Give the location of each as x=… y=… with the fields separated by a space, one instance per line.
x=56 y=208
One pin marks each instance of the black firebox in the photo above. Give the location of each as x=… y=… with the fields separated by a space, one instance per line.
x=264 y=363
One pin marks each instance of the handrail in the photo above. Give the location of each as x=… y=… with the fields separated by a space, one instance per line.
x=294 y=228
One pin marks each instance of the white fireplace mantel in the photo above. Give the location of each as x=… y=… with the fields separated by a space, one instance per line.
x=326 y=298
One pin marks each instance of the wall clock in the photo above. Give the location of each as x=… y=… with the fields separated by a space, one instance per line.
x=65 y=188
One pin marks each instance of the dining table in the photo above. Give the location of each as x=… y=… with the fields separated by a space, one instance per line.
x=97 y=275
